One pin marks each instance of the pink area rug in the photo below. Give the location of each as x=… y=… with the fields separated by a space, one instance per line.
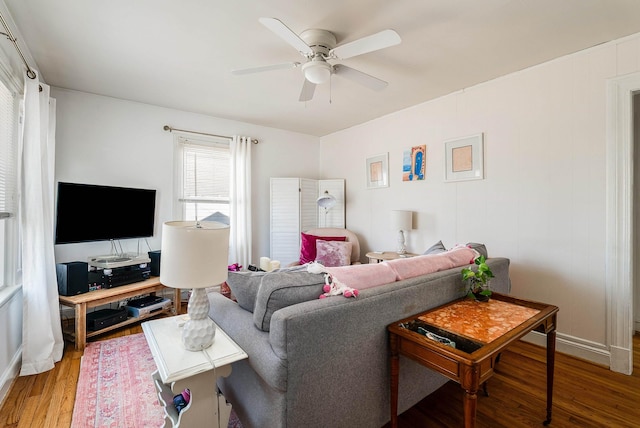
x=115 y=388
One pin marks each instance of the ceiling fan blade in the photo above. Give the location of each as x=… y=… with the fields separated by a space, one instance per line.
x=262 y=68
x=374 y=42
x=360 y=77
x=308 y=89
x=286 y=34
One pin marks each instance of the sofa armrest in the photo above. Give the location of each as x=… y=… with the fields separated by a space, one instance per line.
x=238 y=324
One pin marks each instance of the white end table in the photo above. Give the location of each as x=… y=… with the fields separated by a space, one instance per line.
x=380 y=256
x=198 y=371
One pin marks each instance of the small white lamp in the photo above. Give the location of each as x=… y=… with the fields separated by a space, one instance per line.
x=401 y=221
x=326 y=201
x=195 y=255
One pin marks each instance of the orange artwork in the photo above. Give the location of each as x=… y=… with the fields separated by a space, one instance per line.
x=462 y=159
x=375 y=172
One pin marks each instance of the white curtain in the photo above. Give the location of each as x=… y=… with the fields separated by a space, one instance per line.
x=42 y=342
x=240 y=221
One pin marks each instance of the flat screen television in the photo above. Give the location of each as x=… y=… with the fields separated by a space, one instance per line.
x=88 y=212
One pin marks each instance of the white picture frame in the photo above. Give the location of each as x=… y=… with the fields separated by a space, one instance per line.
x=377 y=171
x=464 y=158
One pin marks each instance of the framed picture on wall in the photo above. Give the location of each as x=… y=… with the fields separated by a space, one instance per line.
x=378 y=171
x=414 y=163
x=464 y=158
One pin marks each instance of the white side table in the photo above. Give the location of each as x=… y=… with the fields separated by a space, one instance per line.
x=198 y=371
x=380 y=256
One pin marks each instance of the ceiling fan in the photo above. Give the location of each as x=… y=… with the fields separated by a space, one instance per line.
x=319 y=47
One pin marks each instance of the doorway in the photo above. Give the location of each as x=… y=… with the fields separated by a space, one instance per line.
x=622 y=240
x=636 y=208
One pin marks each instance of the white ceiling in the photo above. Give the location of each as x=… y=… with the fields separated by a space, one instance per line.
x=180 y=53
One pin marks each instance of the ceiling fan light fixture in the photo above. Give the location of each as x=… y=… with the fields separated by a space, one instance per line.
x=317 y=72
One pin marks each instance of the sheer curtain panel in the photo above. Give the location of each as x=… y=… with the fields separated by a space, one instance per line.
x=42 y=342
x=240 y=209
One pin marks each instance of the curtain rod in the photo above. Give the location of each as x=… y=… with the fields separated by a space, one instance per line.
x=30 y=73
x=170 y=129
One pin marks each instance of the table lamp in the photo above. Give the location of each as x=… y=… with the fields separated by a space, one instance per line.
x=326 y=201
x=400 y=221
x=195 y=255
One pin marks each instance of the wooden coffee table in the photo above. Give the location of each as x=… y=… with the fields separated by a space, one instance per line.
x=479 y=331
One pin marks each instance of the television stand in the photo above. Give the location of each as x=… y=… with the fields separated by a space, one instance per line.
x=92 y=299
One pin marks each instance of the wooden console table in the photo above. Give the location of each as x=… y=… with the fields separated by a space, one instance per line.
x=82 y=302
x=479 y=331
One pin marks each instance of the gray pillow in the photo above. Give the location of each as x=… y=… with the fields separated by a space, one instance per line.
x=244 y=287
x=436 y=248
x=281 y=289
x=481 y=248
x=245 y=284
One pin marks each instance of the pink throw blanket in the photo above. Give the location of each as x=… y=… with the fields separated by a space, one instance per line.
x=422 y=265
x=371 y=275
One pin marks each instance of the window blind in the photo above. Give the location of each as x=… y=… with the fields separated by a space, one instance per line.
x=206 y=170
x=7 y=152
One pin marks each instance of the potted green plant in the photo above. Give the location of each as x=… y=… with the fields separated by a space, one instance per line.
x=478 y=279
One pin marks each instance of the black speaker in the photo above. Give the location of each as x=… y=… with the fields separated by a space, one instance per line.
x=155 y=262
x=73 y=278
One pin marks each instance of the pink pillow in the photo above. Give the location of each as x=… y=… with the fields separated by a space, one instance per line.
x=363 y=276
x=308 y=246
x=333 y=253
x=420 y=265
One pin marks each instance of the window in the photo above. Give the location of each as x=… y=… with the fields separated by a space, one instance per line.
x=202 y=184
x=8 y=180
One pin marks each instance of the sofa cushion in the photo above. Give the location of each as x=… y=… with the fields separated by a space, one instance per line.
x=244 y=285
x=436 y=248
x=421 y=265
x=363 y=276
x=333 y=253
x=480 y=248
x=281 y=289
x=308 y=246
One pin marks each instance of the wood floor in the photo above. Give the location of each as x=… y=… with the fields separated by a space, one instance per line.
x=46 y=399
x=585 y=395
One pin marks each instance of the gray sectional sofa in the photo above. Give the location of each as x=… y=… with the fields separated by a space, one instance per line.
x=324 y=362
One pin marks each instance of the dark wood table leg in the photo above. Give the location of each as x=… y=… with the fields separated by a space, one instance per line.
x=551 y=357
x=395 y=370
x=469 y=405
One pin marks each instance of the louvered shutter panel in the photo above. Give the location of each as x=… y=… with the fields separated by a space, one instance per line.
x=285 y=220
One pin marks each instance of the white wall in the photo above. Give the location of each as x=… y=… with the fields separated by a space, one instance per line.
x=542 y=202
x=108 y=141
x=10 y=337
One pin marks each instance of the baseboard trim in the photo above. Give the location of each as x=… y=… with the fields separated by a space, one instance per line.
x=574 y=346
x=10 y=375
x=621 y=360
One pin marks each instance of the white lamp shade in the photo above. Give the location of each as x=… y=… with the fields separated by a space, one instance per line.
x=317 y=72
x=400 y=220
x=194 y=254
x=326 y=200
